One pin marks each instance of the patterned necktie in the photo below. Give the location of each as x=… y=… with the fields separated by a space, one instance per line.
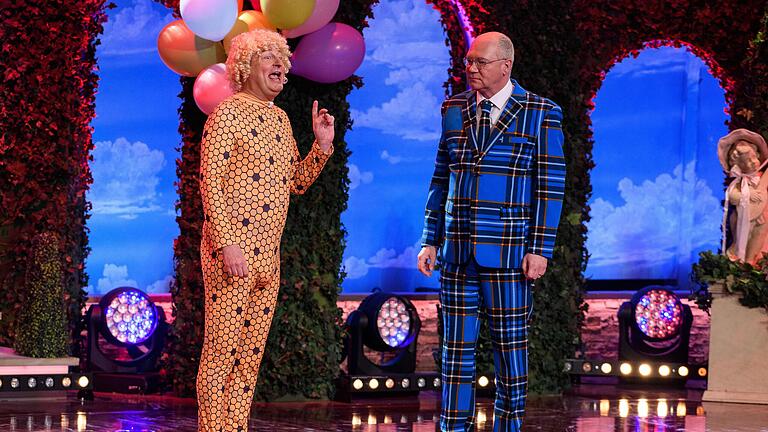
x=484 y=131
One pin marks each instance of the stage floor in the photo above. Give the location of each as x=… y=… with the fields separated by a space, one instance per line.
x=587 y=409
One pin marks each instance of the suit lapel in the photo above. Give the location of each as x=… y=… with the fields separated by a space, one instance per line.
x=508 y=116
x=470 y=119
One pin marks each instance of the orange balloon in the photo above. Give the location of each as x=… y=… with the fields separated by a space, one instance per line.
x=185 y=53
x=247 y=21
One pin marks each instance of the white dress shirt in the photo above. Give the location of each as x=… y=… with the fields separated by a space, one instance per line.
x=499 y=101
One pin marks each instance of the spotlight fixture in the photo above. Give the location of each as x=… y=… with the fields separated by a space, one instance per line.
x=606 y=368
x=664 y=370
x=395 y=384
x=644 y=369
x=654 y=325
x=37 y=383
x=132 y=329
x=682 y=371
x=483 y=381
x=625 y=368
x=386 y=323
x=702 y=372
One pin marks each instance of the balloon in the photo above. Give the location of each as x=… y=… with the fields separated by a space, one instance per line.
x=247 y=21
x=209 y=19
x=185 y=53
x=330 y=54
x=321 y=15
x=211 y=87
x=287 y=14
x=239 y=6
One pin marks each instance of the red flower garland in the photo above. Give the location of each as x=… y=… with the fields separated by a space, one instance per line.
x=46 y=106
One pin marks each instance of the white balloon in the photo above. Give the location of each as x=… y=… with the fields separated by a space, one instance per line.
x=209 y=19
x=211 y=87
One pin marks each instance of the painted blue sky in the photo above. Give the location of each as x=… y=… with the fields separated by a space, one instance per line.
x=657 y=183
x=648 y=156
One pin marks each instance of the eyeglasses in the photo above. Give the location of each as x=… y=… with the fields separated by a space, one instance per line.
x=479 y=62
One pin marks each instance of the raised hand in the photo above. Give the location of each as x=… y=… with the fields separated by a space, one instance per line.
x=322 y=126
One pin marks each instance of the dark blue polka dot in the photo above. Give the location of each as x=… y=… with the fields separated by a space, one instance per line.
x=254 y=132
x=246 y=222
x=226 y=155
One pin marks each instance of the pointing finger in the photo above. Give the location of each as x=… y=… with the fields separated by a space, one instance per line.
x=314 y=110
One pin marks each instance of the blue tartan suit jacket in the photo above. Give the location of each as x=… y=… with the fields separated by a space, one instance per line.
x=501 y=199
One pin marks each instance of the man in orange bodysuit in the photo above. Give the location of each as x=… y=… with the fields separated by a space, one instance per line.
x=249 y=167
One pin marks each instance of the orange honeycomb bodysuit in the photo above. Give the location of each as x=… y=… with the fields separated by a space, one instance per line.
x=249 y=167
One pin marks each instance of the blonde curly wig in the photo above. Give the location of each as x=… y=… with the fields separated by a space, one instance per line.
x=245 y=46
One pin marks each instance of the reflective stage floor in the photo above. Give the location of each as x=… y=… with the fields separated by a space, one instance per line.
x=586 y=409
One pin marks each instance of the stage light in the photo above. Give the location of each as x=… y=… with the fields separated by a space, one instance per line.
x=606 y=368
x=681 y=411
x=128 y=320
x=421 y=383
x=356 y=420
x=702 y=372
x=436 y=382
x=32 y=382
x=66 y=382
x=682 y=371
x=49 y=382
x=383 y=322
x=644 y=369
x=373 y=384
x=483 y=381
x=654 y=325
x=371 y=419
x=83 y=381
x=586 y=367
x=357 y=384
x=405 y=383
x=1 y=383
x=664 y=370
x=567 y=367
x=625 y=368
x=389 y=383
x=14 y=383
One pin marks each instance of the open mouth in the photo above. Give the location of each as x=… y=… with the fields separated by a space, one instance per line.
x=276 y=76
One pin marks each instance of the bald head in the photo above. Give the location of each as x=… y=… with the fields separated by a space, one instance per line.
x=489 y=63
x=500 y=42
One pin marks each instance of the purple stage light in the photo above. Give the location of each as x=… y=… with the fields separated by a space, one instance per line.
x=659 y=314
x=130 y=315
x=393 y=322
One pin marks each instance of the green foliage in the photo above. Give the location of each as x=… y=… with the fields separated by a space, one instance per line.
x=41 y=328
x=737 y=278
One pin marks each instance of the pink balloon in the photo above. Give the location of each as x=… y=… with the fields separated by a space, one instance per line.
x=330 y=54
x=211 y=87
x=321 y=15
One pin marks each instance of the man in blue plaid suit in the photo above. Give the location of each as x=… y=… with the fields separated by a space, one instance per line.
x=493 y=209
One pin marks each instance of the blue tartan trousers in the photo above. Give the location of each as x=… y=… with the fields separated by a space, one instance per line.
x=504 y=297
